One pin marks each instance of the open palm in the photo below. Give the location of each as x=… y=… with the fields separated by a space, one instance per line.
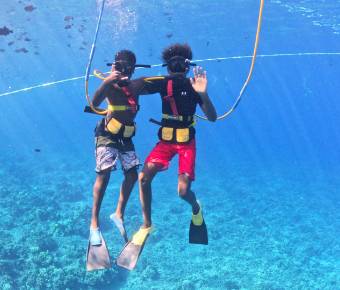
x=199 y=82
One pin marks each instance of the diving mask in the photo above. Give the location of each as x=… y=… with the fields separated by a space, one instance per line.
x=179 y=64
x=126 y=68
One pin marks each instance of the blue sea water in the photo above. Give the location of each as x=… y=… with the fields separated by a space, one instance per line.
x=267 y=176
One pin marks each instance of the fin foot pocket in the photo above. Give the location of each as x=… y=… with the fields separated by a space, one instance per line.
x=128 y=257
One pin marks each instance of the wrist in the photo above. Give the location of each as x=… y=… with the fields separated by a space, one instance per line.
x=107 y=82
x=204 y=95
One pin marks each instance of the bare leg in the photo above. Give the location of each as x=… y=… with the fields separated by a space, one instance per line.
x=145 y=192
x=198 y=233
x=99 y=188
x=184 y=191
x=130 y=178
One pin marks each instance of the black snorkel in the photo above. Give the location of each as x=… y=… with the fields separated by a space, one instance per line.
x=125 y=68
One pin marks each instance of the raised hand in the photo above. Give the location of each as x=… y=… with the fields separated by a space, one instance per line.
x=114 y=76
x=199 y=82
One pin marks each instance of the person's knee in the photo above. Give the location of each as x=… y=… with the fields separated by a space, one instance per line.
x=131 y=175
x=183 y=186
x=144 y=179
x=102 y=178
x=183 y=190
x=104 y=174
x=148 y=173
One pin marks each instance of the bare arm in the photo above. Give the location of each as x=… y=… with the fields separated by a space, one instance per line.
x=208 y=108
x=150 y=85
x=199 y=83
x=99 y=95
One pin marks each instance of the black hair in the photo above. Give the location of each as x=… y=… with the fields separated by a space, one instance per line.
x=177 y=49
x=126 y=55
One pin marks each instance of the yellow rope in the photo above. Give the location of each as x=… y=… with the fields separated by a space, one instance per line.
x=259 y=22
x=94 y=109
x=101 y=76
x=88 y=67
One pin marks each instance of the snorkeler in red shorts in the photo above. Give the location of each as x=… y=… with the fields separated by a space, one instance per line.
x=180 y=96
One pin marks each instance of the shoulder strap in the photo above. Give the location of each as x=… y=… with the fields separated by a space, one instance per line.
x=131 y=99
x=170 y=97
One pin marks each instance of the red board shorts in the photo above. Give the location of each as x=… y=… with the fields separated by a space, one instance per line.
x=163 y=152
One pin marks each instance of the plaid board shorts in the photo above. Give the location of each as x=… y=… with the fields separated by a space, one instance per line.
x=108 y=156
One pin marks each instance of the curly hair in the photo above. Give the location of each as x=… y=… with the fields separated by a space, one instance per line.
x=177 y=49
x=126 y=55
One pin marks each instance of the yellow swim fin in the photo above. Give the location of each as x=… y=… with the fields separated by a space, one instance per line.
x=128 y=257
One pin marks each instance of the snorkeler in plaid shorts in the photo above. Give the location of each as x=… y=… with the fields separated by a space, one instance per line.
x=113 y=140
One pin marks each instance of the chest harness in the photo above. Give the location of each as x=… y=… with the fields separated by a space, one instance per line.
x=114 y=126
x=175 y=128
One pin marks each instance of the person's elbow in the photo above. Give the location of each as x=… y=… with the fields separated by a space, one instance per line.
x=211 y=114
x=212 y=117
x=95 y=103
x=209 y=111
